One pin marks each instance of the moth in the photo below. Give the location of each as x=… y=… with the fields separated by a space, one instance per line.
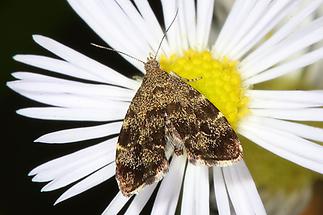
x=168 y=111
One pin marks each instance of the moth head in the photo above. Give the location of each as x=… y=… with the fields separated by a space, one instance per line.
x=151 y=64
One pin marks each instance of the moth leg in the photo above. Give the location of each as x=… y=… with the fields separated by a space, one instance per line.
x=193 y=79
x=186 y=80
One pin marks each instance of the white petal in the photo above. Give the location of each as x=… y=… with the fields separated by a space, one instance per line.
x=247 y=187
x=168 y=193
x=121 y=24
x=204 y=10
x=75 y=101
x=96 y=178
x=190 y=21
x=187 y=9
x=290 y=66
x=80 y=134
x=54 y=168
x=289 y=141
x=228 y=28
x=265 y=140
x=195 y=190
x=33 y=77
x=188 y=206
x=202 y=188
x=73 y=87
x=249 y=14
x=298 y=129
x=116 y=204
x=221 y=195
x=94 y=17
x=152 y=24
x=270 y=19
x=304 y=114
x=276 y=99
x=272 y=104
x=239 y=199
x=57 y=66
x=83 y=62
x=143 y=25
x=75 y=114
x=281 y=34
x=296 y=42
x=104 y=20
x=313 y=97
x=173 y=34
x=140 y=200
x=187 y=19
x=73 y=174
x=181 y=20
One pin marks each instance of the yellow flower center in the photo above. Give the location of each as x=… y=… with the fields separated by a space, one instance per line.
x=218 y=80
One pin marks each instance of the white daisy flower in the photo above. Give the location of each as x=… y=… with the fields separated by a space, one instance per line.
x=242 y=55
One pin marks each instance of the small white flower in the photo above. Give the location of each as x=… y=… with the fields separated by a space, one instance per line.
x=136 y=31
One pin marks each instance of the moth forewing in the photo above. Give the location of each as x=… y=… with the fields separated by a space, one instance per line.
x=165 y=108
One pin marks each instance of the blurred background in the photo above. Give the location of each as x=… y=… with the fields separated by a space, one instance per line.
x=285 y=188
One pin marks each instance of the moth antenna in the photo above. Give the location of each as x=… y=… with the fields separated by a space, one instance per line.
x=164 y=36
x=120 y=52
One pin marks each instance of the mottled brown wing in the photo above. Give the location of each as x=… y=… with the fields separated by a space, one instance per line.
x=166 y=108
x=140 y=155
x=207 y=136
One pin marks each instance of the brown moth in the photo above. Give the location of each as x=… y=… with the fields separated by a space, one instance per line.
x=166 y=110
